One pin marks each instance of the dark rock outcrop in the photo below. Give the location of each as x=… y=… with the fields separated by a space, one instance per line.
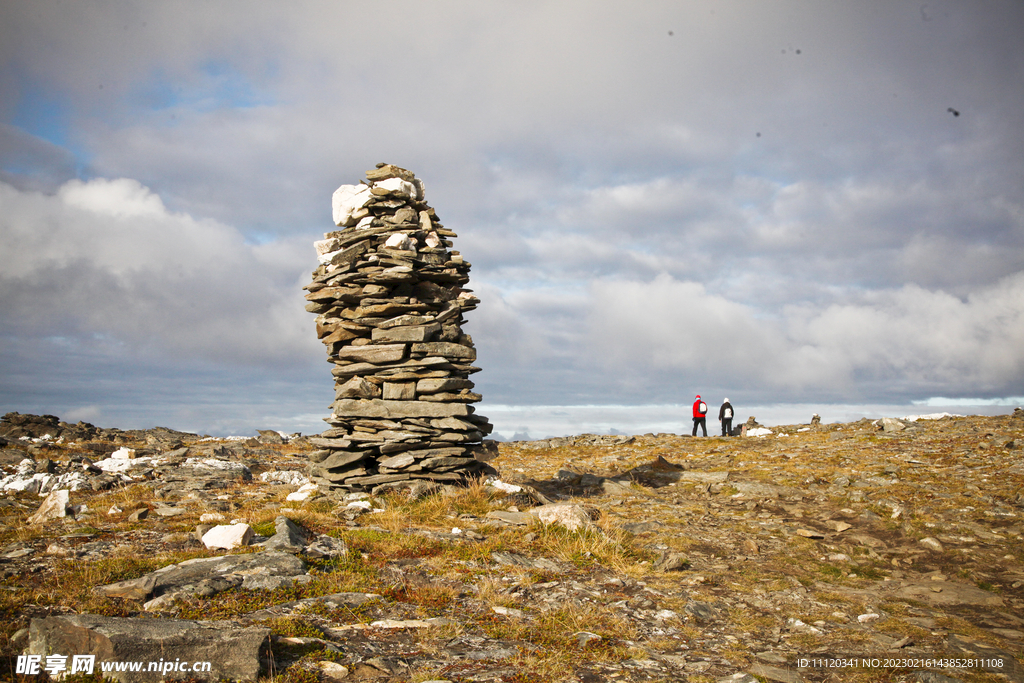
x=233 y=653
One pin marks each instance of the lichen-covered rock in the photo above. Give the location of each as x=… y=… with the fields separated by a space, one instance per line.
x=572 y=517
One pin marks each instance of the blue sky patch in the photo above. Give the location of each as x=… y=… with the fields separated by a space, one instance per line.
x=44 y=114
x=216 y=85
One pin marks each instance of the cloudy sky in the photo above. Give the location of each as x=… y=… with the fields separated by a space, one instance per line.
x=803 y=206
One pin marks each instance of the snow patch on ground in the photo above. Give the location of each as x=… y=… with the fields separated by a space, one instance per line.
x=25 y=478
x=507 y=488
x=929 y=416
x=285 y=477
x=214 y=464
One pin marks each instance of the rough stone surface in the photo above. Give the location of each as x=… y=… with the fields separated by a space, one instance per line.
x=233 y=652
x=192 y=575
x=288 y=536
x=572 y=517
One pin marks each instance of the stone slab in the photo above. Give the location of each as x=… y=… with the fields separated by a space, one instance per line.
x=445 y=350
x=444 y=384
x=379 y=408
x=321 y=442
x=232 y=651
x=405 y=320
x=408 y=333
x=399 y=391
x=342 y=459
x=371 y=368
x=374 y=353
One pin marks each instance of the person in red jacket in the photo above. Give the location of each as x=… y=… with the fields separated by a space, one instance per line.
x=700 y=410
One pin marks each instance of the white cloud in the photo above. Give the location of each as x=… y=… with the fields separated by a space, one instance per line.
x=119 y=199
x=675 y=325
x=919 y=338
x=105 y=257
x=911 y=339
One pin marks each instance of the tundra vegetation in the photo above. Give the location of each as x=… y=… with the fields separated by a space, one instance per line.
x=688 y=559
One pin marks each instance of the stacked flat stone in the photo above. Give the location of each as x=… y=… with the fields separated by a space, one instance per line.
x=389 y=298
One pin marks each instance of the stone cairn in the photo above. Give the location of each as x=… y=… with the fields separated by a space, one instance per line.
x=389 y=298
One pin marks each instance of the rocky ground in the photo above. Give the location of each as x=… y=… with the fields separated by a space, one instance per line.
x=595 y=558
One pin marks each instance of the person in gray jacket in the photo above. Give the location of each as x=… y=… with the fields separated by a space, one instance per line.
x=725 y=414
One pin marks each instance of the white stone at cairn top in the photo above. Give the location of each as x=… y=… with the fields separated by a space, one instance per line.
x=348 y=199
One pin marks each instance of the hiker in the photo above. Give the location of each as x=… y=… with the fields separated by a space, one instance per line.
x=725 y=417
x=700 y=410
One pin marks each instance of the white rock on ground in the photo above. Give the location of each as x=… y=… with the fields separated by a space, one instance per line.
x=228 y=536
x=285 y=477
x=507 y=488
x=25 y=478
x=305 y=492
x=54 y=507
x=24 y=473
x=332 y=671
x=215 y=464
x=929 y=416
x=114 y=465
x=572 y=517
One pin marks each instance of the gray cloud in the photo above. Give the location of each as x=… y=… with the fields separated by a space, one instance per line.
x=32 y=163
x=773 y=200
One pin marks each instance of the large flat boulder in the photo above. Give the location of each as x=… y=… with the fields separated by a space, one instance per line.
x=948 y=593
x=212 y=651
x=206 y=575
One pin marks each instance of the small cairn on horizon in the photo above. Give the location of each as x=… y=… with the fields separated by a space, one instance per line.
x=389 y=298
